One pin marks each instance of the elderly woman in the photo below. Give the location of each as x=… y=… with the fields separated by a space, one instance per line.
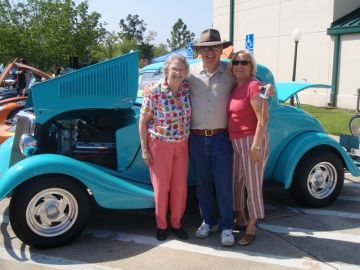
x=164 y=130
x=248 y=117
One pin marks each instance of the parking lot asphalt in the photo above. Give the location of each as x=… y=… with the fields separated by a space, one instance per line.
x=290 y=237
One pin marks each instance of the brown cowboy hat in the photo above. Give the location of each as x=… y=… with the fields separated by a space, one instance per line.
x=211 y=37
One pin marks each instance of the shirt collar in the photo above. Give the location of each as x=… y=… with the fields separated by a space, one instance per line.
x=219 y=70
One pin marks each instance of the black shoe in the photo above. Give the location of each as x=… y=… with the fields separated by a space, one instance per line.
x=180 y=233
x=161 y=234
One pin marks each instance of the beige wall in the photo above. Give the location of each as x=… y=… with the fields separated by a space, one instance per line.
x=349 y=76
x=272 y=23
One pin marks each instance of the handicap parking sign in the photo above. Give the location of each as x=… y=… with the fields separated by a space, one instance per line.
x=249 y=42
x=189 y=51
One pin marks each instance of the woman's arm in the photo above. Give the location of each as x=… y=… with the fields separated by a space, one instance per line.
x=144 y=118
x=261 y=109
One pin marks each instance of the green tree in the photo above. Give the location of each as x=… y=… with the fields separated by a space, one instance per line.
x=146 y=51
x=180 y=36
x=9 y=32
x=127 y=46
x=49 y=31
x=108 y=47
x=160 y=49
x=132 y=28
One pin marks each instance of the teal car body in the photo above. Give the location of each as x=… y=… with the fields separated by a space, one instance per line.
x=79 y=142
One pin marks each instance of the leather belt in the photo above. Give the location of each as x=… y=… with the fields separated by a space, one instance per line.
x=207 y=132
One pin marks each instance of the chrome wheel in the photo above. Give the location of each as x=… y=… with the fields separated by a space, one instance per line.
x=354 y=125
x=52 y=212
x=322 y=180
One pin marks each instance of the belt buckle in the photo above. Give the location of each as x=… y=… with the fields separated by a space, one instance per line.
x=211 y=132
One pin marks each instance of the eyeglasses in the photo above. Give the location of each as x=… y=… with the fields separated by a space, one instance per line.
x=240 y=62
x=173 y=69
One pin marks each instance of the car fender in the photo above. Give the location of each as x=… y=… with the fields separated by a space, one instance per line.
x=108 y=190
x=298 y=147
x=5 y=154
x=6 y=109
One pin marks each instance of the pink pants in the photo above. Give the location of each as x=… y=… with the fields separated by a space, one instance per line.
x=168 y=172
x=248 y=175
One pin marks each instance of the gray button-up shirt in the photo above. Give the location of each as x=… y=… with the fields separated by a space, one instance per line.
x=209 y=96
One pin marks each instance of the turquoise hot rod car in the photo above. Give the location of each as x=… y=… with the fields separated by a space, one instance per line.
x=78 y=143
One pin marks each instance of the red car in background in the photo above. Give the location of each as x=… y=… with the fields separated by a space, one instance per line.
x=10 y=102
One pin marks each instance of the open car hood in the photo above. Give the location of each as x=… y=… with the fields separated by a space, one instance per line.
x=111 y=84
x=287 y=89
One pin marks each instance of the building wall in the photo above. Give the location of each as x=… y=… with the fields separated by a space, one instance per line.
x=273 y=21
x=349 y=71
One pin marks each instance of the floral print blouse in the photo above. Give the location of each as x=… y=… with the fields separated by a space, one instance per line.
x=170 y=115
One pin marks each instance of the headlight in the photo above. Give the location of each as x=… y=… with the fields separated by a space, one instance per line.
x=28 y=145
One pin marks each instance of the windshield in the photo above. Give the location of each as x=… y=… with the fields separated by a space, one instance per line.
x=149 y=78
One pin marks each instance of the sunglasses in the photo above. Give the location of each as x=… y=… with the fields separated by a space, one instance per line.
x=210 y=48
x=240 y=62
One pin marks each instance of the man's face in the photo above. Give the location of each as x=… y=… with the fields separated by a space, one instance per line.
x=211 y=55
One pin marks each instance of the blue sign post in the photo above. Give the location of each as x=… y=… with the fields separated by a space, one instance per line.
x=249 y=42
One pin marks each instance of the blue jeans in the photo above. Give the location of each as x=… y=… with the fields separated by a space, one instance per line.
x=211 y=158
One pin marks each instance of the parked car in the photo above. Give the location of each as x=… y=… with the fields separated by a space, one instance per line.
x=10 y=80
x=10 y=102
x=79 y=144
x=8 y=109
x=8 y=91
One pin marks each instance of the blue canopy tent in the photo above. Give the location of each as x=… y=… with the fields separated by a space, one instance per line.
x=162 y=58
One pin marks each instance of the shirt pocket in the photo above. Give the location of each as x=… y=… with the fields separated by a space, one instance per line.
x=220 y=85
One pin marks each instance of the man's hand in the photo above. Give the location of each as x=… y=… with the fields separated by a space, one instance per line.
x=147 y=90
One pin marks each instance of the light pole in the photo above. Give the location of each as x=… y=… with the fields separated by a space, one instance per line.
x=296 y=36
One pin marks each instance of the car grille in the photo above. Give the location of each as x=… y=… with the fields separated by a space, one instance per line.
x=24 y=125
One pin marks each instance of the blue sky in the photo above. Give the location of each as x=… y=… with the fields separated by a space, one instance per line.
x=159 y=15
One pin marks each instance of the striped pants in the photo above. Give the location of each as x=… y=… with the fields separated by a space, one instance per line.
x=249 y=176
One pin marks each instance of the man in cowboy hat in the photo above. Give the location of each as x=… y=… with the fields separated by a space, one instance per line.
x=210 y=148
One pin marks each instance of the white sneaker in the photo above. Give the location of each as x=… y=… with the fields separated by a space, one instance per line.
x=204 y=230
x=227 y=238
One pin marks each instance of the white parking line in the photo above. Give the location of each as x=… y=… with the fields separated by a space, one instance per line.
x=4 y=219
x=182 y=246
x=348 y=198
x=313 y=211
x=330 y=213
x=302 y=263
x=299 y=232
x=48 y=262
x=349 y=183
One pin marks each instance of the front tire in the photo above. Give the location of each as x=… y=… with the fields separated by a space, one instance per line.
x=49 y=211
x=318 y=178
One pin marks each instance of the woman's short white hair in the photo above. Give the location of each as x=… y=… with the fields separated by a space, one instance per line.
x=172 y=58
